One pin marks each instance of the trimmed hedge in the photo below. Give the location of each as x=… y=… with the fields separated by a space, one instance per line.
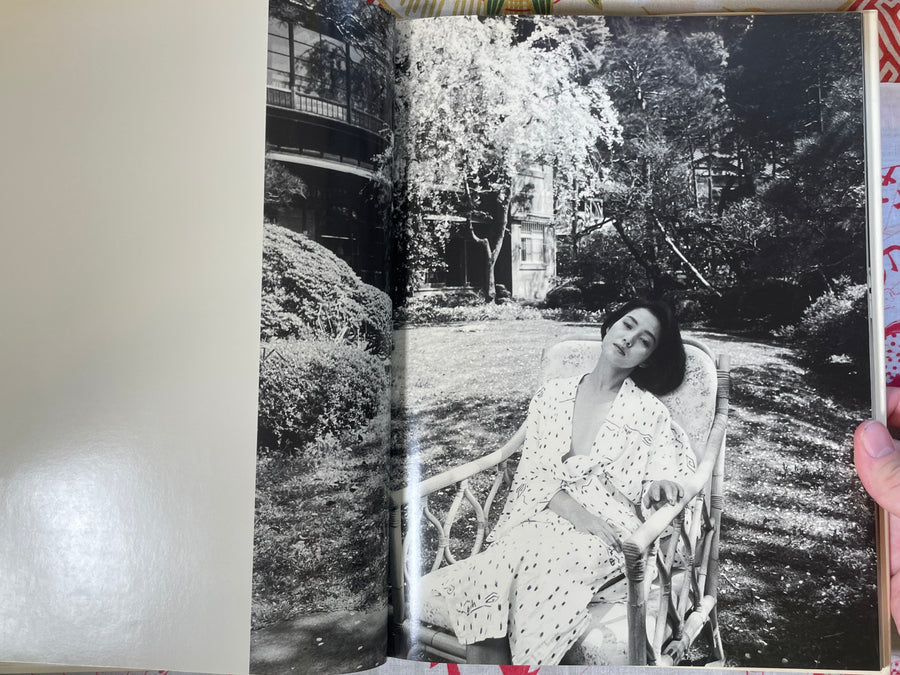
x=309 y=293
x=430 y=310
x=564 y=296
x=308 y=390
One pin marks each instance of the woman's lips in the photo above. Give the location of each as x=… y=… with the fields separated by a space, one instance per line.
x=620 y=348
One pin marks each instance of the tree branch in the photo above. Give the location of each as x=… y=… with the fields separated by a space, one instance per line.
x=592 y=228
x=630 y=245
x=674 y=247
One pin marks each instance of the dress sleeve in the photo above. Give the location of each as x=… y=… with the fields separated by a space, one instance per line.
x=535 y=482
x=599 y=497
x=671 y=458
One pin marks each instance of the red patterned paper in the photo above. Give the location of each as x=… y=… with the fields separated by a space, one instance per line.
x=890 y=205
x=454 y=669
x=888 y=34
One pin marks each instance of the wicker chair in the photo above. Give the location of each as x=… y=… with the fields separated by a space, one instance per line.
x=666 y=610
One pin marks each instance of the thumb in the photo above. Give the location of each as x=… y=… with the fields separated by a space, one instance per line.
x=877 y=461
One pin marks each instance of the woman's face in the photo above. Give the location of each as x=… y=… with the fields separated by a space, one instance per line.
x=631 y=340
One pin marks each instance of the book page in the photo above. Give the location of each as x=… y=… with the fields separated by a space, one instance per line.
x=320 y=546
x=555 y=169
x=130 y=256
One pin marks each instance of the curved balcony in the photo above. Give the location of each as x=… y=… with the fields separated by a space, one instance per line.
x=320 y=107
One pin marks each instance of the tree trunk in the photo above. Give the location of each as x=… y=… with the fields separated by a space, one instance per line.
x=501 y=228
x=485 y=244
x=693 y=173
x=574 y=241
x=491 y=248
x=491 y=289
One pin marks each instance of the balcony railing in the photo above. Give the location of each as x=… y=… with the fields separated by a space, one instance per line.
x=320 y=107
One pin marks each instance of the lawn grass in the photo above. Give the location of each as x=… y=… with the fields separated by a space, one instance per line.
x=798 y=577
x=321 y=527
x=461 y=391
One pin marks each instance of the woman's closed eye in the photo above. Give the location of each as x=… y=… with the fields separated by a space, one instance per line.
x=644 y=339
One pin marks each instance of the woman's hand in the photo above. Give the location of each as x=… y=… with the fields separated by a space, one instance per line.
x=599 y=527
x=663 y=491
x=583 y=520
x=877 y=457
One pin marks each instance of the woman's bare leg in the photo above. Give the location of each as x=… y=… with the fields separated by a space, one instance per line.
x=490 y=651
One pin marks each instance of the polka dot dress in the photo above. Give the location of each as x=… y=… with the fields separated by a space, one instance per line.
x=534 y=582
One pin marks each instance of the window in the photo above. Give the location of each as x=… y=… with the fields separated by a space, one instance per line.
x=311 y=70
x=533 y=236
x=279 y=55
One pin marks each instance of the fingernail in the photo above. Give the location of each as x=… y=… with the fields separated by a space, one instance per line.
x=876 y=440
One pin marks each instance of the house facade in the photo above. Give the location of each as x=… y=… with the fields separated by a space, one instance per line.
x=532 y=235
x=527 y=260
x=328 y=116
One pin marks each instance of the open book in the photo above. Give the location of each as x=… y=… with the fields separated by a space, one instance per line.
x=504 y=186
x=731 y=182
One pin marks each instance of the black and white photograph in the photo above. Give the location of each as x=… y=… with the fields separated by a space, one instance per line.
x=501 y=340
x=631 y=343
x=320 y=543
x=564 y=336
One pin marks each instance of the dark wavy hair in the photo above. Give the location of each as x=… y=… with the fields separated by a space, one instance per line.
x=663 y=370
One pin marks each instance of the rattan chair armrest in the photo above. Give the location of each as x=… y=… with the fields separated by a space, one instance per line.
x=459 y=473
x=640 y=541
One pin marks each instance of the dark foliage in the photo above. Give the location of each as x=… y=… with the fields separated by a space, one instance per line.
x=283 y=189
x=761 y=304
x=773 y=105
x=311 y=389
x=834 y=332
x=564 y=296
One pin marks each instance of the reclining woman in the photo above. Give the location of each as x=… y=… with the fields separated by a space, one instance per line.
x=600 y=453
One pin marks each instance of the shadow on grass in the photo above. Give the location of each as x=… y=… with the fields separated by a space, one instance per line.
x=451 y=433
x=325 y=642
x=798 y=586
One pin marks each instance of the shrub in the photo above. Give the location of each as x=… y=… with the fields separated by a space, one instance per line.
x=573 y=315
x=834 y=328
x=599 y=294
x=774 y=302
x=465 y=297
x=760 y=304
x=692 y=306
x=283 y=189
x=425 y=310
x=309 y=293
x=308 y=390
x=563 y=296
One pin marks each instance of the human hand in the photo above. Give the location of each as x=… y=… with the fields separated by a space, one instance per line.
x=877 y=458
x=599 y=527
x=660 y=491
x=583 y=520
